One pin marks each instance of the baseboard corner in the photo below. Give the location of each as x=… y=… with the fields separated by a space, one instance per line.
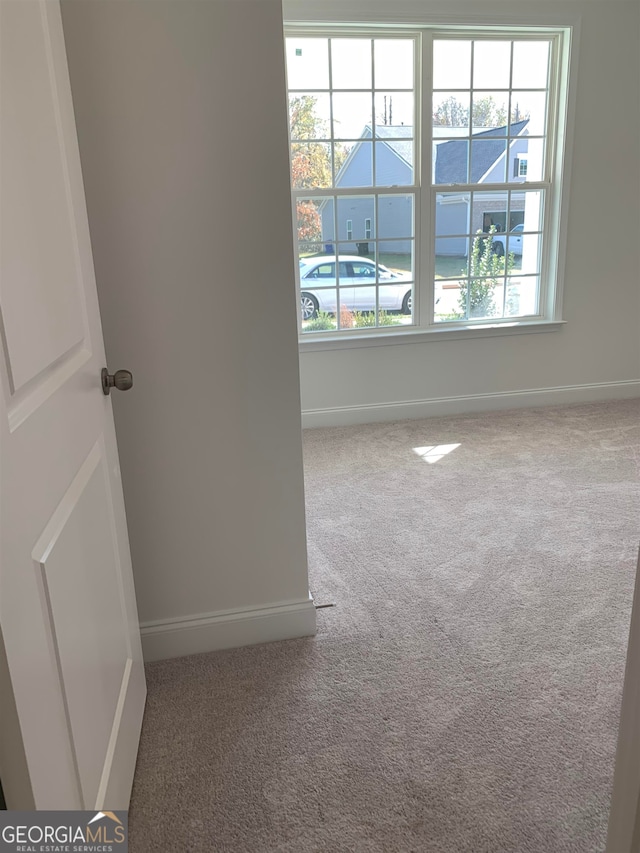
x=209 y=632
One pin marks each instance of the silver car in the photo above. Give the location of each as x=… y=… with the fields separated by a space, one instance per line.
x=357 y=283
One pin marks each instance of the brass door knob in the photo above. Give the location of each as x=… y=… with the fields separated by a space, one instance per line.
x=121 y=379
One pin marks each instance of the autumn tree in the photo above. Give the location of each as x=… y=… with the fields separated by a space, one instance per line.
x=310 y=162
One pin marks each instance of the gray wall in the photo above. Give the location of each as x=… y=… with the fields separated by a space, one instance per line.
x=181 y=119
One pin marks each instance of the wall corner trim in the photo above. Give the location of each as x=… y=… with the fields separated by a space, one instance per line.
x=444 y=406
x=227 y=629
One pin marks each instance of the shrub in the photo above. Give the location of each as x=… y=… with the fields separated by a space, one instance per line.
x=346 y=318
x=486 y=272
x=322 y=323
x=363 y=319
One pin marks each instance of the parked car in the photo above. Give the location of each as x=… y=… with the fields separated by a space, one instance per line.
x=357 y=284
x=499 y=244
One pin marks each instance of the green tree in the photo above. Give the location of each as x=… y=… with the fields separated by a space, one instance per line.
x=486 y=269
x=486 y=113
x=451 y=113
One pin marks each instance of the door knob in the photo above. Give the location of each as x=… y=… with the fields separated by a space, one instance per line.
x=121 y=379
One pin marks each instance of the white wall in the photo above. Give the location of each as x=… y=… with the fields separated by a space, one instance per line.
x=597 y=354
x=181 y=118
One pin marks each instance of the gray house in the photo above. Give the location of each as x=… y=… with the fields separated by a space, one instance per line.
x=394 y=153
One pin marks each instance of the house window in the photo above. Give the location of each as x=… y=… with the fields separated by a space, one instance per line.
x=356 y=158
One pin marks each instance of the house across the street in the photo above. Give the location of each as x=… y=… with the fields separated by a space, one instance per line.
x=491 y=154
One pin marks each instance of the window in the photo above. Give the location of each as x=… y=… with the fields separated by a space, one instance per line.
x=442 y=245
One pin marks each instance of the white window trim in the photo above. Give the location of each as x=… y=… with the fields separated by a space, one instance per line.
x=310 y=17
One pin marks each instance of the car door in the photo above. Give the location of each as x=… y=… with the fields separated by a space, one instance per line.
x=363 y=280
x=68 y=614
x=515 y=240
x=320 y=281
x=345 y=283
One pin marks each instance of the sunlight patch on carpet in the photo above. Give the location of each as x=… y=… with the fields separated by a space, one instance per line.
x=434 y=452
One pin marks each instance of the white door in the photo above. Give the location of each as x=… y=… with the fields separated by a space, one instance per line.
x=624 y=818
x=67 y=605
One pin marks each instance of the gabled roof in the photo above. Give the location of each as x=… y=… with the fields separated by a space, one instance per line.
x=404 y=150
x=451 y=157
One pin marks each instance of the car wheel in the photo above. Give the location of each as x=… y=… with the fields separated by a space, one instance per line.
x=407 y=303
x=498 y=249
x=309 y=306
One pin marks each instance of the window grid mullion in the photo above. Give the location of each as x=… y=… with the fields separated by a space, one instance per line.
x=424 y=274
x=424 y=191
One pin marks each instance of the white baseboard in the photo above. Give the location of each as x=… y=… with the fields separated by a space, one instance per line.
x=209 y=632
x=401 y=410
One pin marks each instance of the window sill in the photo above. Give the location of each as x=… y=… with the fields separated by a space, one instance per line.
x=421 y=336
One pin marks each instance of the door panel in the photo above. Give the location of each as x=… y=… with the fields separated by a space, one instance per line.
x=67 y=603
x=91 y=642
x=41 y=323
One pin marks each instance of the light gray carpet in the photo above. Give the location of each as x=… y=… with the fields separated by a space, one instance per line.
x=463 y=695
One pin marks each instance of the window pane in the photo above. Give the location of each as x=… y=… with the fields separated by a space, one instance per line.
x=351 y=63
x=451 y=162
x=394 y=159
x=307 y=63
x=522 y=296
x=490 y=110
x=310 y=165
x=526 y=160
x=530 y=64
x=398 y=258
x=395 y=279
x=452 y=217
x=527 y=253
x=452 y=257
x=393 y=67
x=394 y=109
x=451 y=113
x=316 y=319
x=488 y=161
x=491 y=64
x=359 y=210
x=309 y=116
x=490 y=210
x=451 y=64
x=314 y=223
x=481 y=298
x=526 y=207
x=530 y=107
x=395 y=304
x=351 y=114
x=353 y=164
x=395 y=216
x=318 y=297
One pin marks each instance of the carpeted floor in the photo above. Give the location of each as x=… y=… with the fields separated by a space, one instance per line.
x=463 y=695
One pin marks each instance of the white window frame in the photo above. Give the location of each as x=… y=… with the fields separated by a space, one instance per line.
x=558 y=131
